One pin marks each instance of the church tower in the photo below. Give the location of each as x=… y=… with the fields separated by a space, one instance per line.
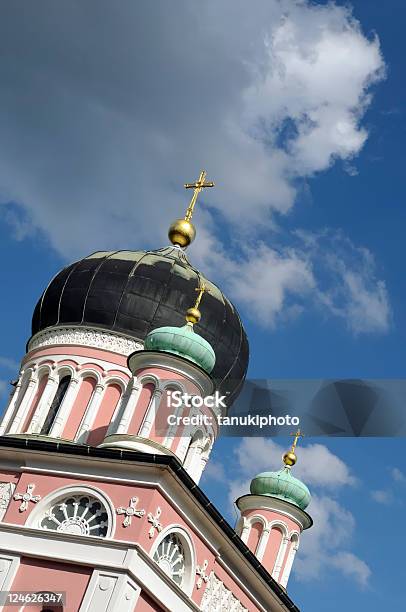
x=100 y=508
x=273 y=517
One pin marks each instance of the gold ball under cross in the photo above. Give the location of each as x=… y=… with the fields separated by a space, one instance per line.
x=289 y=458
x=182 y=232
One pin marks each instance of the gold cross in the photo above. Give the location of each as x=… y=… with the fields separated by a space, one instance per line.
x=201 y=289
x=298 y=434
x=197 y=186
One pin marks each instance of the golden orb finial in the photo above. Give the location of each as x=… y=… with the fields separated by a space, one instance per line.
x=182 y=231
x=290 y=458
x=193 y=315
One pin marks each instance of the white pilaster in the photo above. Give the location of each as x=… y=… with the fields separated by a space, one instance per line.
x=262 y=544
x=289 y=563
x=151 y=414
x=44 y=404
x=91 y=412
x=280 y=557
x=25 y=403
x=65 y=408
x=132 y=396
x=108 y=591
x=11 y=406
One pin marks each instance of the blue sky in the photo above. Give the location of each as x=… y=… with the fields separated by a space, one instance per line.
x=96 y=142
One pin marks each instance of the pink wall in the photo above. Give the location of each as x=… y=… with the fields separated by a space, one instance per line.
x=73 y=350
x=44 y=575
x=146 y=604
x=35 y=402
x=255 y=534
x=104 y=415
x=79 y=407
x=272 y=549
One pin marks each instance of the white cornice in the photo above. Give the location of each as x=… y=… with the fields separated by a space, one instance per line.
x=265 y=502
x=85 y=336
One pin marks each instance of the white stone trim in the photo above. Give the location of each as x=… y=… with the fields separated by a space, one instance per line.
x=11 y=405
x=86 y=550
x=6 y=493
x=85 y=336
x=294 y=545
x=90 y=413
x=28 y=391
x=108 y=591
x=8 y=568
x=263 y=502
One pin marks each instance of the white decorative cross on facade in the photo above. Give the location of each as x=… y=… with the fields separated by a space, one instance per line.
x=154 y=520
x=27 y=497
x=130 y=511
x=201 y=572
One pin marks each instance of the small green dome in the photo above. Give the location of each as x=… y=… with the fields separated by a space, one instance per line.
x=182 y=341
x=283 y=486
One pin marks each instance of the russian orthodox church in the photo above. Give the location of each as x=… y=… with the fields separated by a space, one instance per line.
x=99 y=500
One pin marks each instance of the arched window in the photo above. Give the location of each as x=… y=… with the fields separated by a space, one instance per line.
x=170 y=556
x=56 y=402
x=174 y=553
x=80 y=514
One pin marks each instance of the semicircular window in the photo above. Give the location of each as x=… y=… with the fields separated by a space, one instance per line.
x=170 y=556
x=77 y=514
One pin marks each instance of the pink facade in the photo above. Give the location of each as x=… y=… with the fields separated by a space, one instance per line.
x=37 y=575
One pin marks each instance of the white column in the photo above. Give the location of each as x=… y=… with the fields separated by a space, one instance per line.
x=133 y=395
x=245 y=530
x=280 y=557
x=151 y=413
x=262 y=544
x=44 y=404
x=65 y=408
x=10 y=408
x=289 y=564
x=25 y=403
x=91 y=412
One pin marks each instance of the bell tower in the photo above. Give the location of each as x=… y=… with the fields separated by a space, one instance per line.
x=273 y=517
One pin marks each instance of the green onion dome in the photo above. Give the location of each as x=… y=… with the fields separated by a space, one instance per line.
x=182 y=341
x=281 y=485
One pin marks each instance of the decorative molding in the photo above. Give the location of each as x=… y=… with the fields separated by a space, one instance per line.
x=6 y=492
x=85 y=336
x=130 y=511
x=27 y=497
x=218 y=597
x=201 y=572
x=154 y=520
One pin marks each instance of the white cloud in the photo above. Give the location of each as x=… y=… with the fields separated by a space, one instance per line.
x=323 y=547
x=350 y=288
x=352 y=567
x=98 y=138
x=398 y=475
x=382 y=496
x=317 y=465
x=8 y=363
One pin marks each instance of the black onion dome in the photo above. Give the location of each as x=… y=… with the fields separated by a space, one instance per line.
x=133 y=292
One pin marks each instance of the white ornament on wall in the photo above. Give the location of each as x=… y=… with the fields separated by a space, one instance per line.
x=154 y=520
x=85 y=336
x=201 y=572
x=130 y=511
x=6 y=492
x=27 y=497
